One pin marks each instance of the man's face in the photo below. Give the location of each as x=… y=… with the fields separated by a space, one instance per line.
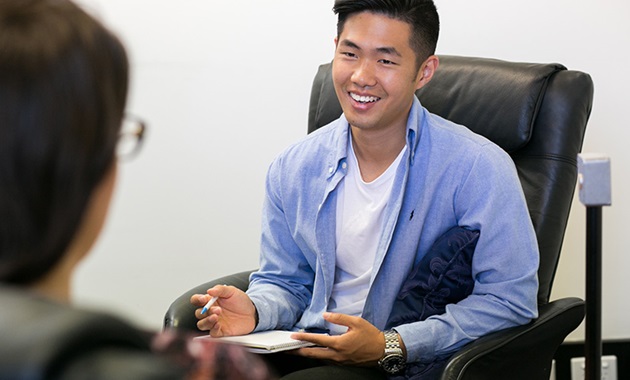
x=374 y=71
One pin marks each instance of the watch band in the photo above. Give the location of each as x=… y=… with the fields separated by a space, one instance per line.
x=392 y=344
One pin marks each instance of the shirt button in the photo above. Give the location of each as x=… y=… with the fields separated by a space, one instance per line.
x=344 y=165
x=330 y=169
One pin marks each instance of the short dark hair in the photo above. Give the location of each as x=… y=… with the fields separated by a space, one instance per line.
x=421 y=15
x=63 y=88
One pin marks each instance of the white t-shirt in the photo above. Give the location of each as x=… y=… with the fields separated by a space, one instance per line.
x=360 y=218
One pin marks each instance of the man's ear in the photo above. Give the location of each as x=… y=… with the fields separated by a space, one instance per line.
x=427 y=69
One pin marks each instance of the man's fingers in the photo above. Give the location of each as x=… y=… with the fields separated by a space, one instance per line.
x=199 y=299
x=208 y=323
x=222 y=291
x=214 y=310
x=317 y=353
x=216 y=291
x=341 y=319
x=319 y=339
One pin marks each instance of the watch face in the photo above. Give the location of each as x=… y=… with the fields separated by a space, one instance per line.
x=393 y=363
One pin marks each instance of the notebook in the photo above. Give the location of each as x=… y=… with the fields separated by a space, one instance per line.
x=264 y=342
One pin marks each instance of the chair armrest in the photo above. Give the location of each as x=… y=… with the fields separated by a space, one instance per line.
x=181 y=314
x=523 y=352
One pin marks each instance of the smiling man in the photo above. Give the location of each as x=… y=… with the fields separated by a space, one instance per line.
x=352 y=209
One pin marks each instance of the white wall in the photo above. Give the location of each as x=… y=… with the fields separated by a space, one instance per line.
x=225 y=86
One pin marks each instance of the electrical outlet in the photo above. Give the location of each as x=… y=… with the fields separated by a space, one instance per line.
x=609 y=368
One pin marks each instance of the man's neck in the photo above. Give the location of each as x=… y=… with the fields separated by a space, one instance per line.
x=376 y=150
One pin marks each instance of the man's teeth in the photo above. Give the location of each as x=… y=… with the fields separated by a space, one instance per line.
x=364 y=99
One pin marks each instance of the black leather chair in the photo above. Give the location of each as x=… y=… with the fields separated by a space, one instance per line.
x=538 y=114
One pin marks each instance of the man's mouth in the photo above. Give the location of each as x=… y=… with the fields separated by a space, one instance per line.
x=363 y=98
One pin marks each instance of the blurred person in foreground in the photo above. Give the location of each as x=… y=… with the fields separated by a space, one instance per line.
x=63 y=89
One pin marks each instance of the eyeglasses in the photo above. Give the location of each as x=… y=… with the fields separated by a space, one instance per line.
x=130 y=138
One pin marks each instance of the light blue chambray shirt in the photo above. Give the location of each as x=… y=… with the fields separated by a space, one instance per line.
x=449 y=176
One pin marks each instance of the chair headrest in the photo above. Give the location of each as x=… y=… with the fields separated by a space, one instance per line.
x=494 y=98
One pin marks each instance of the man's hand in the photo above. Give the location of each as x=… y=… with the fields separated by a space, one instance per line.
x=362 y=345
x=232 y=314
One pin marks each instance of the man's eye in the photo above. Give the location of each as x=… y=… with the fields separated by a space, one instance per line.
x=348 y=54
x=386 y=62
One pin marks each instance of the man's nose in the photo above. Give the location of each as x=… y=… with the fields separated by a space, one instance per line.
x=363 y=75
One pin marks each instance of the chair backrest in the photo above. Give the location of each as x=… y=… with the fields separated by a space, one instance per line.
x=536 y=112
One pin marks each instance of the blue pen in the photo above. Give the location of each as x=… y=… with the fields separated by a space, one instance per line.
x=212 y=301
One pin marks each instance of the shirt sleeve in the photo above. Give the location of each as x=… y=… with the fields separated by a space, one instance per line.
x=282 y=288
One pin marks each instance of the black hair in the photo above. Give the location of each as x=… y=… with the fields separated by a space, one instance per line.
x=63 y=88
x=421 y=15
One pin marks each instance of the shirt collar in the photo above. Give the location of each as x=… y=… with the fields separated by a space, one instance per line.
x=416 y=117
x=340 y=153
